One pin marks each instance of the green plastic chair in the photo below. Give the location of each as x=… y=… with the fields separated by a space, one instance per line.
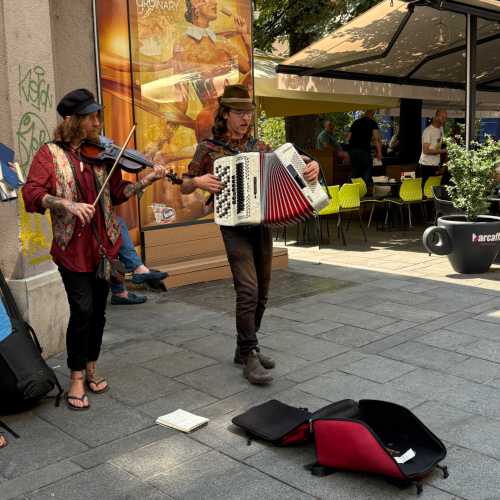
x=349 y=202
x=360 y=182
x=332 y=208
x=433 y=180
x=410 y=193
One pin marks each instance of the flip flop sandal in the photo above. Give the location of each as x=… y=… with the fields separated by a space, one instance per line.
x=95 y=380
x=67 y=397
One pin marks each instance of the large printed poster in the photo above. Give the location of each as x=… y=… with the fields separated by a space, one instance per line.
x=167 y=64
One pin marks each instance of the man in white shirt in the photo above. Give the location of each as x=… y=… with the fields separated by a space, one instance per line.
x=432 y=146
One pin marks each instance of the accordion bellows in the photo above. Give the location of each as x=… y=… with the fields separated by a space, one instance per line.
x=265 y=188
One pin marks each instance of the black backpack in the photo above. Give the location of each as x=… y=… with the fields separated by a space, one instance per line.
x=25 y=377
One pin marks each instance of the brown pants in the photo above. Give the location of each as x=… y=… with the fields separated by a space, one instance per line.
x=249 y=251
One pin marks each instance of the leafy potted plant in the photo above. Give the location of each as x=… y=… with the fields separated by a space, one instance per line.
x=472 y=240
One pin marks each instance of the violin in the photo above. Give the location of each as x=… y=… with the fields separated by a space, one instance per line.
x=106 y=152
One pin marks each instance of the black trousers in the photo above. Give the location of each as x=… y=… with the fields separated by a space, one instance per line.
x=87 y=297
x=362 y=165
x=426 y=171
x=250 y=253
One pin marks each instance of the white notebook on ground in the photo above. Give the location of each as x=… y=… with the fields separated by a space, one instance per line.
x=182 y=420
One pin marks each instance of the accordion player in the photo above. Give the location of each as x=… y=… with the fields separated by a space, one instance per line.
x=265 y=188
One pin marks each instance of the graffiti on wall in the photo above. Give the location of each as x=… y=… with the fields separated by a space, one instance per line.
x=37 y=99
x=32 y=131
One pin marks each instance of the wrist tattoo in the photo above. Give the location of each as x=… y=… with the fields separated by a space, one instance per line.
x=54 y=203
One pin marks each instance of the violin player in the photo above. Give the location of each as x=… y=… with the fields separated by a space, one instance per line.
x=62 y=180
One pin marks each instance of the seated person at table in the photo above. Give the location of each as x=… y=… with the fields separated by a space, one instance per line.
x=134 y=264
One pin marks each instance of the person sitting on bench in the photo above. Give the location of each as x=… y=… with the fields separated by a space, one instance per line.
x=133 y=263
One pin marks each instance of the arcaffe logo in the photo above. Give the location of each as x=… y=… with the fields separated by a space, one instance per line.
x=485 y=238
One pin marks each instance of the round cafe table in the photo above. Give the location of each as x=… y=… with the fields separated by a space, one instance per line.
x=394 y=185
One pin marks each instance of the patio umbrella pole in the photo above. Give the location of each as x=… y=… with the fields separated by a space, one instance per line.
x=470 y=79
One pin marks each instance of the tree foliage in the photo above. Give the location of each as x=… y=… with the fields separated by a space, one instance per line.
x=472 y=175
x=272 y=130
x=301 y=22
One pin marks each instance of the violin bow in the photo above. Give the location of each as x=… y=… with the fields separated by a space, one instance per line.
x=127 y=140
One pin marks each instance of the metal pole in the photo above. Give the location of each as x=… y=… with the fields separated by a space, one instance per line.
x=470 y=83
x=96 y=52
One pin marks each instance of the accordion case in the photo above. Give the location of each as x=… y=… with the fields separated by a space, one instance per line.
x=266 y=188
x=371 y=436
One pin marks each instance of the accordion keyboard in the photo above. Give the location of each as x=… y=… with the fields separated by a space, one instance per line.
x=239 y=200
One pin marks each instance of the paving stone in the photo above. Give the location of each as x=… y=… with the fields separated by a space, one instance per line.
x=385 y=392
x=470 y=431
x=216 y=346
x=477 y=370
x=186 y=399
x=133 y=441
x=103 y=482
x=37 y=479
x=301 y=399
x=445 y=339
x=444 y=322
x=316 y=327
x=219 y=380
x=241 y=401
x=303 y=346
x=161 y=456
x=423 y=355
x=107 y=420
x=216 y=476
x=417 y=314
x=476 y=328
x=377 y=368
x=172 y=365
x=138 y=386
x=352 y=336
x=138 y=351
x=222 y=435
x=272 y=323
x=181 y=334
x=490 y=316
x=489 y=306
x=397 y=327
x=347 y=316
x=335 y=386
x=453 y=391
x=387 y=342
x=472 y=475
x=319 y=368
x=485 y=349
x=287 y=465
x=41 y=444
x=392 y=283
x=297 y=315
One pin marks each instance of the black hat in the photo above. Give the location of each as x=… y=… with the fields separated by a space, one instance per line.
x=237 y=97
x=78 y=102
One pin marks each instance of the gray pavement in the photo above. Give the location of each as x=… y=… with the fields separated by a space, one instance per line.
x=336 y=331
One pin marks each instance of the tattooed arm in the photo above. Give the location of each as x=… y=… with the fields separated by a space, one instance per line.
x=83 y=211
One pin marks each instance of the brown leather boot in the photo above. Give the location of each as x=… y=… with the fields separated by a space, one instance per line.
x=254 y=372
x=266 y=361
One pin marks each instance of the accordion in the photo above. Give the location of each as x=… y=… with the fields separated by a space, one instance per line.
x=265 y=188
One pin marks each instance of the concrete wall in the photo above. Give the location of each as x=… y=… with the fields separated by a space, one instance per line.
x=73 y=45
x=47 y=49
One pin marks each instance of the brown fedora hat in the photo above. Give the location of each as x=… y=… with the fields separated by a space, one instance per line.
x=237 y=97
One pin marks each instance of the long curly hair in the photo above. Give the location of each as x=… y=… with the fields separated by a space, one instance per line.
x=219 y=129
x=70 y=129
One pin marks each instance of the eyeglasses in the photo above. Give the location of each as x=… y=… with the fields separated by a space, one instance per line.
x=242 y=112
